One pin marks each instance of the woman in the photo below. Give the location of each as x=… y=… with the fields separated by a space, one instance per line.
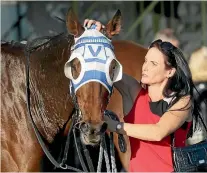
x=161 y=104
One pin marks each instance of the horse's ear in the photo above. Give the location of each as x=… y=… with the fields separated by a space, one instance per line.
x=114 y=25
x=72 y=23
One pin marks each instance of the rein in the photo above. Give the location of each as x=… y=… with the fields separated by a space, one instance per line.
x=103 y=149
x=37 y=133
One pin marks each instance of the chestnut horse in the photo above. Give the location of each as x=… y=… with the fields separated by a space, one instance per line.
x=51 y=105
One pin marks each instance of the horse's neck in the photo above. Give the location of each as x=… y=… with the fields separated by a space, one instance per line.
x=48 y=95
x=13 y=95
x=51 y=105
x=17 y=137
x=50 y=102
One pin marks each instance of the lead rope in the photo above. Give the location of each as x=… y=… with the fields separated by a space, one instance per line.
x=88 y=158
x=106 y=155
x=113 y=162
x=79 y=152
x=103 y=150
x=100 y=159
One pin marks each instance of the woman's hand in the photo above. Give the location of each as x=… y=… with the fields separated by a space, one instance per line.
x=89 y=22
x=114 y=126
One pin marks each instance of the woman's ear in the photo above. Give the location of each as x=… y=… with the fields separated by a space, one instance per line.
x=171 y=72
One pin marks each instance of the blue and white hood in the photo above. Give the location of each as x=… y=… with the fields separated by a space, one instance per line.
x=95 y=53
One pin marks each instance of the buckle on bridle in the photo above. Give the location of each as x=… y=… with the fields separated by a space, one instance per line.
x=63 y=166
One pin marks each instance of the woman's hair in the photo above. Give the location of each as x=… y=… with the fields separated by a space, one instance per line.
x=181 y=83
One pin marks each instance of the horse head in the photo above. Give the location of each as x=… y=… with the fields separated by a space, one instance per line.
x=92 y=69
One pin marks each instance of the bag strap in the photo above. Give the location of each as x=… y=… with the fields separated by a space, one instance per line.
x=172 y=139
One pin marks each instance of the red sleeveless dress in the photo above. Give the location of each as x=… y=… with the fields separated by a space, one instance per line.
x=150 y=156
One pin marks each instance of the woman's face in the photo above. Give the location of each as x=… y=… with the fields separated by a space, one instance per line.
x=154 y=69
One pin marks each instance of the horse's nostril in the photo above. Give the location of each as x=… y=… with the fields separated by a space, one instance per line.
x=84 y=126
x=93 y=131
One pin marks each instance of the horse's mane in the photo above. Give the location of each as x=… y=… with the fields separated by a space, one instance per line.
x=13 y=43
x=10 y=47
x=48 y=41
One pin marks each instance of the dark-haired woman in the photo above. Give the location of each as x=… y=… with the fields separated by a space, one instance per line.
x=158 y=106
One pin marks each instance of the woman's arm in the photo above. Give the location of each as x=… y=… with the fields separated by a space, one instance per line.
x=169 y=123
x=129 y=88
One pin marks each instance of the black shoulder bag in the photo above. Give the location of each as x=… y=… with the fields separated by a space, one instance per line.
x=192 y=158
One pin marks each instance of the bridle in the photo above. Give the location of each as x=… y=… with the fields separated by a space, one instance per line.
x=77 y=114
x=28 y=50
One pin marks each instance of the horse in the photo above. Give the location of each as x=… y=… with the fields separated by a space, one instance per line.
x=50 y=102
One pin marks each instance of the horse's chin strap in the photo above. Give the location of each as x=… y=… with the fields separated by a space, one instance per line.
x=73 y=96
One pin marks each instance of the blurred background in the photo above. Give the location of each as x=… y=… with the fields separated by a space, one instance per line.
x=183 y=23
x=142 y=20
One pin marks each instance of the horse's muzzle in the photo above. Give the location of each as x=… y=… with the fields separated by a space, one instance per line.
x=90 y=134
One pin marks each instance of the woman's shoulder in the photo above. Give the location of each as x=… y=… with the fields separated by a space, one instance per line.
x=141 y=94
x=143 y=90
x=183 y=103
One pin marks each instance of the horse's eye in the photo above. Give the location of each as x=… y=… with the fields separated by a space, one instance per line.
x=73 y=66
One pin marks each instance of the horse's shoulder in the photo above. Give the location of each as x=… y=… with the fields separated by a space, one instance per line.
x=128 y=43
x=130 y=48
